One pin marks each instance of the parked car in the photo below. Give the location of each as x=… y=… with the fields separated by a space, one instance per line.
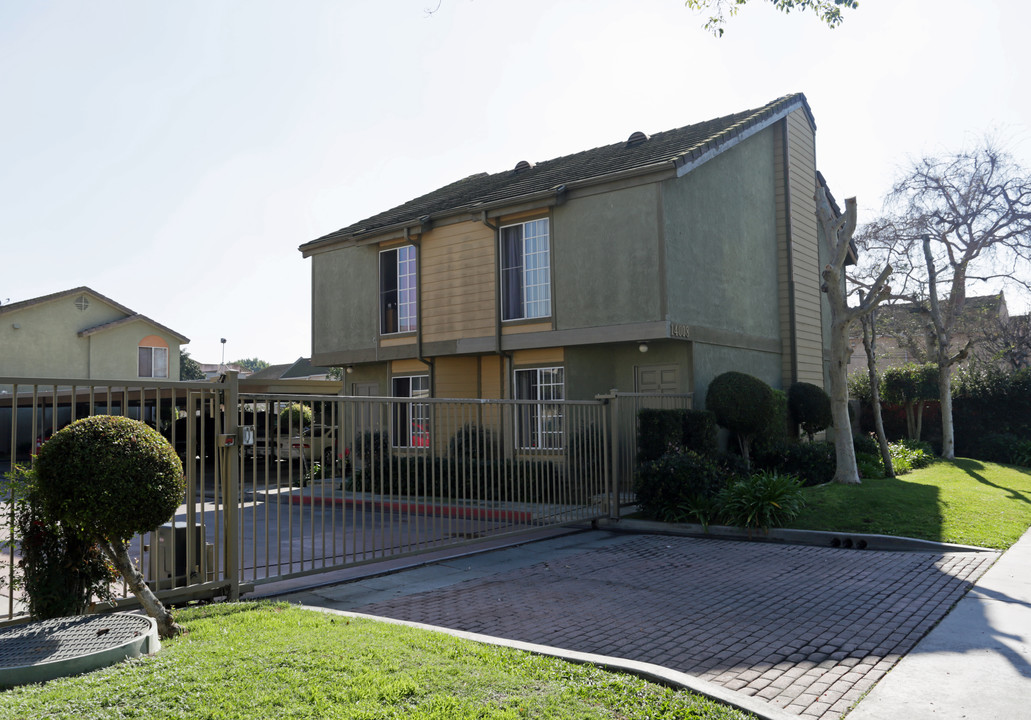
x=315 y=442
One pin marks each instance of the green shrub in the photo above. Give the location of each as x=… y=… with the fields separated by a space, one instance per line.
x=294 y=417
x=810 y=407
x=761 y=501
x=658 y=432
x=859 y=387
x=1022 y=453
x=910 y=453
x=62 y=571
x=111 y=476
x=994 y=447
x=671 y=487
x=776 y=433
x=813 y=463
x=870 y=466
x=474 y=443
x=743 y=404
x=700 y=432
x=866 y=444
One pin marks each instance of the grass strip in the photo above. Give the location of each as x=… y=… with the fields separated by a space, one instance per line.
x=262 y=660
x=969 y=502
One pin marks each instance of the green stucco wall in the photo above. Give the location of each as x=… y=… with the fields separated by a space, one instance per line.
x=345 y=292
x=595 y=369
x=713 y=360
x=46 y=342
x=721 y=241
x=605 y=259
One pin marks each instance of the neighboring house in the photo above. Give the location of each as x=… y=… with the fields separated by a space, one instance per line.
x=649 y=265
x=81 y=334
x=299 y=377
x=214 y=370
x=905 y=335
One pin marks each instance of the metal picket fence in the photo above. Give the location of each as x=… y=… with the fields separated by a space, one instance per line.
x=281 y=486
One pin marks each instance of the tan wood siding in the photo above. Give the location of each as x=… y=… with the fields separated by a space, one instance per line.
x=784 y=280
x=457 y=278
x=538 y=356
x=525 y=328
x=801 y=167
x=408 y=367
x=456 y=377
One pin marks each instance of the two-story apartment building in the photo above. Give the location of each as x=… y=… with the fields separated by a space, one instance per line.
x=652 y=264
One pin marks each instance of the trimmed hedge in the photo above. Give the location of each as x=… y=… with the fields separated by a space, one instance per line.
x=660 y=431
x=110 y=476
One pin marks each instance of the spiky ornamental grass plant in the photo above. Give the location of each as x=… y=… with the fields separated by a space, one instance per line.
x=763 y=500
x=110 y=478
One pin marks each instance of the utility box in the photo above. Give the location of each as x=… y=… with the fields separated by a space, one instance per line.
x=171 y=553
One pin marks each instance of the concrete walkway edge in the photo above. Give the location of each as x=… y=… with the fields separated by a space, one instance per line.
x=648 y=671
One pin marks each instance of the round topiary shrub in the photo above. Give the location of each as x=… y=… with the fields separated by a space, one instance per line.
x=111 y=478
x=810 y=407
x=742 y=403
x=295 y=416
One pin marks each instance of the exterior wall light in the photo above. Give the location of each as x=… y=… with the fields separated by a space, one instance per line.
x=349 y=369
x=643 y=347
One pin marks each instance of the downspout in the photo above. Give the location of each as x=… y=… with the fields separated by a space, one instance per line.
x=416 y=242
x=506 y=368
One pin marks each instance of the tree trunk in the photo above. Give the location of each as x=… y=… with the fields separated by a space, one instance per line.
x=910 y=420
x=945 y=393
x=875 y=401
x=920 y=405
x=119 y=554
x=846 y=471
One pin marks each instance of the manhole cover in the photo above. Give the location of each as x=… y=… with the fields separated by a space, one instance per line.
x=47 y=649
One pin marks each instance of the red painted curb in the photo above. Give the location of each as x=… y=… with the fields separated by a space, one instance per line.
x=452 y=511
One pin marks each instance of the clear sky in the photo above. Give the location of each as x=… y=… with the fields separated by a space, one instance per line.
x=174 y=155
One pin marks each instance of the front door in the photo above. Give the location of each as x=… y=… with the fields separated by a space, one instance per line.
x=657 y=379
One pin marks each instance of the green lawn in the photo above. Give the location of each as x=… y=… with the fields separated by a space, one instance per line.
x=263 y=660
x=965 y=501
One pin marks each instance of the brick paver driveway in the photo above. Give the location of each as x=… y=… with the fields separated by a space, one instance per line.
x=808 y=629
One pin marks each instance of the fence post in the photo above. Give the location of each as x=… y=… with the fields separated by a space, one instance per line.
x=611 y=401
x=231 y=484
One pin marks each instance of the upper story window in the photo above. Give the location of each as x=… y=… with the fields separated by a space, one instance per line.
x=397 y=290
x=152 y=357
x=526 y=270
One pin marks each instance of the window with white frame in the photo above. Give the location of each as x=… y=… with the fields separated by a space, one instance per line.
x=526 y=270
x=397 y=290
x=153 y=361
x=411 y=420
x=540 y=424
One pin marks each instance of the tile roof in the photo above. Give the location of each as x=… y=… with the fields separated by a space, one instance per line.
x=684 y=146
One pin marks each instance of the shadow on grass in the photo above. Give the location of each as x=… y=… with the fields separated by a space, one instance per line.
x=970 y=467
x=882 y=506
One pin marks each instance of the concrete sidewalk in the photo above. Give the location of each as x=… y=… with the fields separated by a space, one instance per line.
x=976 y=663
x=806 y=630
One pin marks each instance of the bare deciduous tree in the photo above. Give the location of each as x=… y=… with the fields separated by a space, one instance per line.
x=953 y=220
x=835 y=231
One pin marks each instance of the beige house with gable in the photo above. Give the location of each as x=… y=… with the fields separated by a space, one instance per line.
x=81 y=334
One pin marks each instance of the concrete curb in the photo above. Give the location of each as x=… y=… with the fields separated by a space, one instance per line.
x=818 y=538
x=648 y=671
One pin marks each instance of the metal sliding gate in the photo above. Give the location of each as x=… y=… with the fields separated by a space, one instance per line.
x=281 y=486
